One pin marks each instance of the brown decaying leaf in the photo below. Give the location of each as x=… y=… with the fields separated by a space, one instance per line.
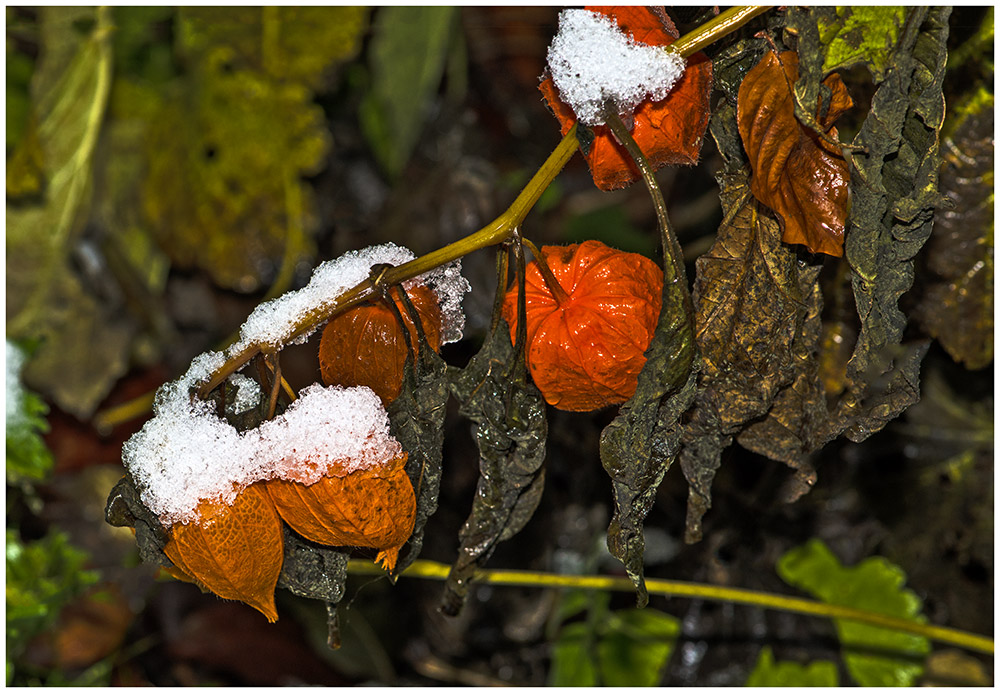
x=366 y=345
x=958 y=307
x=234 y=551
x=369 y=508
x=801 y=176
x=669 y=131
x=586 y=353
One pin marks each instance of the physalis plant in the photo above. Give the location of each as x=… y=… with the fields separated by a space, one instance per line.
x=225 y=478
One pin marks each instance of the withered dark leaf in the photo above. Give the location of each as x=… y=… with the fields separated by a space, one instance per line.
x=798 y=173
x=958 y=307
x=751 y=303
x=510 y=433
x=416 y=420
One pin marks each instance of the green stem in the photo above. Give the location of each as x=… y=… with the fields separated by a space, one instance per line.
x=715 y=28
x=432 y=570
x=497 y=231
x=501 y=228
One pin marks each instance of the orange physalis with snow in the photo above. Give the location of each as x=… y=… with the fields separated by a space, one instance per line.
x=367 y=346
x=369 y=508
x=670 y=130
x=585 y=348
x=234 y=550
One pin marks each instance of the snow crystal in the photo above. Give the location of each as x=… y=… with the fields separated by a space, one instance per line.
x=273 y=322
x=15 y=362
x=248 y=392
x=592 y=62
x=186 y=454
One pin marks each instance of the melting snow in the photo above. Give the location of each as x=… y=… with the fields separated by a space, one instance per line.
x=592 y=62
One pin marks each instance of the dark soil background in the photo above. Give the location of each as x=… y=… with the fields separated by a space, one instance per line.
x=896 y=495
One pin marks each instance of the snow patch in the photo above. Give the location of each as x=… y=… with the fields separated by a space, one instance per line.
x=272 y=323
x=14 y=394
x=186 y=454
x=592 y=62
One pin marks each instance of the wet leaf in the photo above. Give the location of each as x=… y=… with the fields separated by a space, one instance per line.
x=292 y=44
x=313 y=571
x=416 y=420
x=875 y=585
x=47 y=300
x=368 y=508
x=769 y=673
x=800 y=175
x=958 y=307
x=407 y=58
x=235 y=551
x=669 y=131
x=751 y=307
x=585 y=351
x=892 y=212
x=366 y=345
x=511 y=429
x=864 y=35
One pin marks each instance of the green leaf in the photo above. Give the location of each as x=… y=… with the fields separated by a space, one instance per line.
x=215 y=203
x=874 y=656
x=83 y=342
x=772 y=674
x=28 y=459
x=288 y=44
x=572 y=661
x=629 y=647
x=864 y=35
x=407 y=58
x=42 y=577
x=635 y=646
x=511 y=429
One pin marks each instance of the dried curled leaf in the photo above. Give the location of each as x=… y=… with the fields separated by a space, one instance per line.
x=586 y=352
x=366 y=345
x=234 y=551
x=799 y=174
x=669 y=131
x=369 y=508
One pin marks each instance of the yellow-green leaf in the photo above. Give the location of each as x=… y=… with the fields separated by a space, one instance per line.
x=861 y=34
x=874 y=656
x=772 y=674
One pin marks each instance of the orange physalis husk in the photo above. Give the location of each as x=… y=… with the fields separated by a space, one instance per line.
x=235 y=551
x=669 y=131
x=586 y=353
x=368 y=508
x=366 y=346
x=802 y=177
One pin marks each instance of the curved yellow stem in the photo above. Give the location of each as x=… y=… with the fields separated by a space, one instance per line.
x=433 y=570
